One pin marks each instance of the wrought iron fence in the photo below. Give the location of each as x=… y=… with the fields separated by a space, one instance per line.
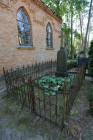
x=47 y=105
x=18 y=77
x=75 y=85
x=23 y=84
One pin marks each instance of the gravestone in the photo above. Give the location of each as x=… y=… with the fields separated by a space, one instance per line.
x=61 y=60
x=82 y=60
x=81 y=54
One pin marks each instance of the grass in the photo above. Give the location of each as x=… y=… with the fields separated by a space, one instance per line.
x=9 y=106
x=23 y=121
x=7 y=111
x=11 y=109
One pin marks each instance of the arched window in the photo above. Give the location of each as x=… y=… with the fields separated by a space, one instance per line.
x=23 y=28
x=49 y=36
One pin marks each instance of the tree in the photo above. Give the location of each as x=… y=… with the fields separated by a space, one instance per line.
x=67 y=36
x=85 y=44
x=90 y=63
x=81 y=26
x=68 y=9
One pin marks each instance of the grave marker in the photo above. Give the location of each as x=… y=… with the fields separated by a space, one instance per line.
x=61 y=60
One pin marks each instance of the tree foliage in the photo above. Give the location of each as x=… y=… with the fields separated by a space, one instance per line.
x=66 y=29
x=64 y=7
x=77 y=35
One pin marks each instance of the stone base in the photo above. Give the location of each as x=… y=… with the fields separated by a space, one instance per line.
x=61 y=74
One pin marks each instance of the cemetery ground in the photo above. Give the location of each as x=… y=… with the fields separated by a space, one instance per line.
x=17 y=124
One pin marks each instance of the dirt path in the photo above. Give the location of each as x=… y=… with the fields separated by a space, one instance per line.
x=23 y=125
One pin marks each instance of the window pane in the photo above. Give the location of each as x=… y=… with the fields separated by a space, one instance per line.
x=29 y=41
x=27 y=27
x=23 y=15
x=48 y=36
x=22 y=39
x=20 y=16
x=48 y=28
x=21 y=33
x=26 y=20
x=21 y=26
x=28 y=34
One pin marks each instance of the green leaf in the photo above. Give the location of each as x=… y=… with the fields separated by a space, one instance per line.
x=53 y=93
x=55 y=88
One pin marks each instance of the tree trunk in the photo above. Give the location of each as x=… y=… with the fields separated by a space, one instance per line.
x=85 y=44
x=69 y=46
x=81 y=23
x=88 y=39
x=71 y=34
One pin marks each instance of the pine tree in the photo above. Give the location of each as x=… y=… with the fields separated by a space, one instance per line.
x=90 y=63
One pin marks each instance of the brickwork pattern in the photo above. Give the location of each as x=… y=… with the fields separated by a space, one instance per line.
x=10 y=55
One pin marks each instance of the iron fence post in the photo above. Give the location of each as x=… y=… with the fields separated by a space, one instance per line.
x=64 y=102
x=32 y=97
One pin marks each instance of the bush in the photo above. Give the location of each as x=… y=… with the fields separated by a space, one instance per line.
x=90 y=62
x=90 y=98
x=69 y=57
x=71 y=64
x=90 y=94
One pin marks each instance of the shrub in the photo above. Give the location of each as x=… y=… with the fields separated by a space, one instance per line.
x=90 y=94
x=69 y=57
x=71 y=64
x=90 y=98
x=90 y=62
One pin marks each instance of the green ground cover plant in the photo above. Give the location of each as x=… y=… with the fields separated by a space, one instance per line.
x=54 y=83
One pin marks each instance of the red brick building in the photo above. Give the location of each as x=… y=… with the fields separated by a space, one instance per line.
x=29 y=33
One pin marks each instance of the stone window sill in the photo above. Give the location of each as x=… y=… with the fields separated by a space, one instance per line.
x=25 y=47
x=49 y=48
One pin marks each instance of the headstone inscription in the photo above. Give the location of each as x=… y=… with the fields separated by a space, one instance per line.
x=61 y=60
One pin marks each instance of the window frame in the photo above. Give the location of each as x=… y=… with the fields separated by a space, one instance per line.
x=51 y=47
x=25 y=45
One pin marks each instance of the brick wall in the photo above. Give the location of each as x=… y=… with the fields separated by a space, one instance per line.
x=10 y=55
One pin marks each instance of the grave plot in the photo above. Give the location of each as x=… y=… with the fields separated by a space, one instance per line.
x=46 y=95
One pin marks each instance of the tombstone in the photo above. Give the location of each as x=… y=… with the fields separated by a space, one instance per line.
x=82 y=61
x=81 y=54
x=61 y=60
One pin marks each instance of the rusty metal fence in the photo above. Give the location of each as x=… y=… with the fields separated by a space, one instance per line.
x=71 y=93
x=18 y=77
x=22 y=85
